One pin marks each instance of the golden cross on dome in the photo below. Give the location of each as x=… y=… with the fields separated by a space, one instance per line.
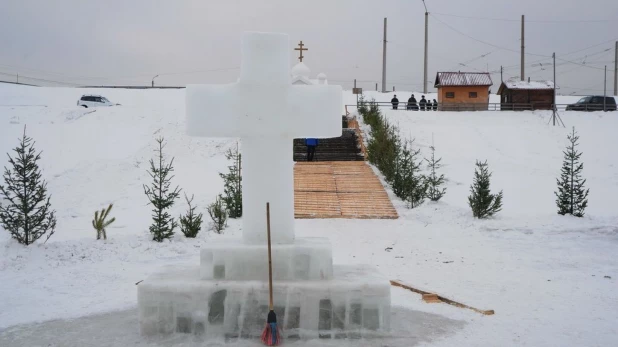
x=301 y=49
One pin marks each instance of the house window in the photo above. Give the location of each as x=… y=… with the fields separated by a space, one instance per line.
x=450 y=95
x=472 y=95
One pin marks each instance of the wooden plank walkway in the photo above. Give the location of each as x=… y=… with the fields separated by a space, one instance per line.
x=339 y=189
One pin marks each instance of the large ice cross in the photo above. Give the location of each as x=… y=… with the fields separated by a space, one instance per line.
x=267 y=112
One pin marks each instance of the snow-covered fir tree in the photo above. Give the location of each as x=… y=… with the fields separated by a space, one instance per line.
x=483 y=203
x=28 y=214
x=409 y=184
x=160 y=196
x=434 y=182
x=572 y=197
x=232 y=180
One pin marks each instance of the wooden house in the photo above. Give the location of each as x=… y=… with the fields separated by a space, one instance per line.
x=530 y=95
x=463 y=91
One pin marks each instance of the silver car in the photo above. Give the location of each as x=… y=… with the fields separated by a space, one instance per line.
x=89 y=100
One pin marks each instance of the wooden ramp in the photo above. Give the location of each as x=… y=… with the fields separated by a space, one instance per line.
x=339 y=189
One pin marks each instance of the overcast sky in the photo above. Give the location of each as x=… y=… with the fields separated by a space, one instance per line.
x=130 y=41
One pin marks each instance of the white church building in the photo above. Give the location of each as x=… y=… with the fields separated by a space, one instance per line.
x=301 y=74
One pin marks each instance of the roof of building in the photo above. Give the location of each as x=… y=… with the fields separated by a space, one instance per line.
x=302 y=80
x=518 y=84
x=462 y=79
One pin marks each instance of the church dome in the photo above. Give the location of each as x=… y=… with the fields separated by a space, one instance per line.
x=321 y=78
x=301 y=69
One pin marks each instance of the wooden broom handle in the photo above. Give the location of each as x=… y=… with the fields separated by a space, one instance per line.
x=270 y=265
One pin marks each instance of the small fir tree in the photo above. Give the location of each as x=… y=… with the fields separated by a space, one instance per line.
x=362 y=105
x=190 y=223
x=218 y=215
x=28 y=215
x=434 y=190
x=483 y=203
x=572 y=197
x=409 y=184
x=99 y=223
x=384 y=147
x=232 y=198
x=160 y=195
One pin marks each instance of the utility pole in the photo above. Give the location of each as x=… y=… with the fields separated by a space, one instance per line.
x=384 y=60
x=376 y=87
x=605 y=88
x=554 y=106
x=18 y=78
x=522 y=48
x=426 y=44
x=501 y=78
x=355 y=92
x=153 y=80
x=616 y=71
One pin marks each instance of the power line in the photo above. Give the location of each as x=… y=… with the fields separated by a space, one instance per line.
x=514 y=51
x=583 y=49
x=484 y=42
x=134 y=78
x=531 y=21
x=542 y=62
x=477 y=58
x=583 y=65
x=39 y=79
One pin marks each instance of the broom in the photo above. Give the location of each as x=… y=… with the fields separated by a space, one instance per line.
x=270 y=335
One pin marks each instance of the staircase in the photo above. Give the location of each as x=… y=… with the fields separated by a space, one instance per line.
x=343 y=148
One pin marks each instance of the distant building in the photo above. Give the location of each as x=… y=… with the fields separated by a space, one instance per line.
x=463 y=91
x=531 y=95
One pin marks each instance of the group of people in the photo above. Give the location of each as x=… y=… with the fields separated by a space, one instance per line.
x=423 y=104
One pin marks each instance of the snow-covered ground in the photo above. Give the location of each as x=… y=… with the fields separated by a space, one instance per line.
x=543 y=274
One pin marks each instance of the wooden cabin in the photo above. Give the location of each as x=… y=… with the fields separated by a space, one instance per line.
x=463 y=91
x=530 y=95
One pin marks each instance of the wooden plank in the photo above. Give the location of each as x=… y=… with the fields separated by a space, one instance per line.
x=397 y=283
x=312 y=170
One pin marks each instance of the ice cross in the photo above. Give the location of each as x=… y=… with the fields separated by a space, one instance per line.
x=267 y=112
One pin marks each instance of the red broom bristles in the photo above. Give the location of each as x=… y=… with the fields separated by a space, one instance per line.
x=271 y=335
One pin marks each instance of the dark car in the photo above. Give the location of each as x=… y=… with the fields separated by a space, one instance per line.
x=593 y=103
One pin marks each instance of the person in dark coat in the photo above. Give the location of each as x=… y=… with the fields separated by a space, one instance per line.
x=414 y=104
x=411 y=103
x=395 y=102
x=435 y=105
x=311 y=145
x=423 y=103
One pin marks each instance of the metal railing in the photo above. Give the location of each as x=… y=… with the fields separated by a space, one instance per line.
x=403 y=106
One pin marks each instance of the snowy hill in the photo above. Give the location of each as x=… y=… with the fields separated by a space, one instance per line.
x=95 y=156
x=543 y=274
